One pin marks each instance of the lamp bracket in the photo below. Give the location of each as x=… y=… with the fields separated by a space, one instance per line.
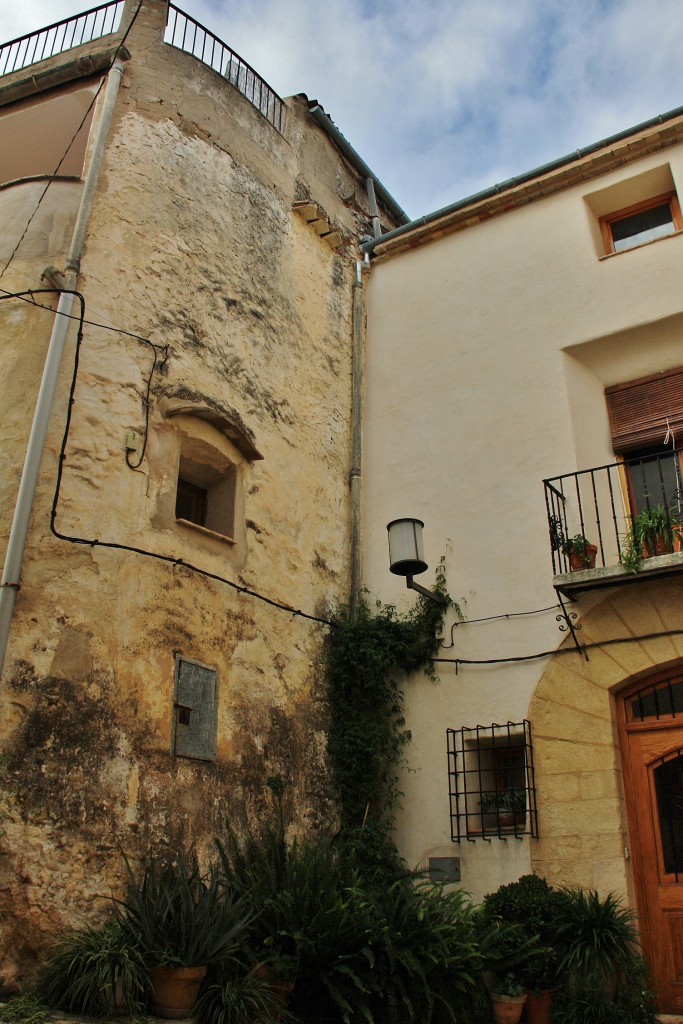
x=437 y=598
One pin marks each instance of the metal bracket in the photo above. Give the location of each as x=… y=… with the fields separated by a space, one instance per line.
x=568 y=621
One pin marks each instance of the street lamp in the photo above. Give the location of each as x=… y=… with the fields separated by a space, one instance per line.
x=406 y=555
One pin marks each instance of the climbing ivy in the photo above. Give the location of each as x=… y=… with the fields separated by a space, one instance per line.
x=369 y=654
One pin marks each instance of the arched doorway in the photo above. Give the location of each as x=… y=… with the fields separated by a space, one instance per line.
x=651 y=738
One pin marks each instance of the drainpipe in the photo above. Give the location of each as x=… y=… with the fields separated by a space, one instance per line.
x=356 y=396
x=29 y=478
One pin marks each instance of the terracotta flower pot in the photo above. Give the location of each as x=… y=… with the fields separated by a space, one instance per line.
x=175 y=990
x=578 y=562
x=507 y=1009
x=539 y=1006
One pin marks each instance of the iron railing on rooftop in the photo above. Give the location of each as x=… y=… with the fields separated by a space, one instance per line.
x=63 y=35
x=188 y=35
x=601 y=504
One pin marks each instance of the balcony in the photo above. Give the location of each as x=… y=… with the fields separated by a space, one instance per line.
x=182 y=33
x=616 y=524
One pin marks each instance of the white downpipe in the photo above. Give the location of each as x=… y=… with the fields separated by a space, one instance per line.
x=34 y=452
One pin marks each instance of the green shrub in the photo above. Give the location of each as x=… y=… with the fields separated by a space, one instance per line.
x=180 y=917
x=96 y=971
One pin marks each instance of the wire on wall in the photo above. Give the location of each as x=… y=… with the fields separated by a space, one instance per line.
x=113 y=545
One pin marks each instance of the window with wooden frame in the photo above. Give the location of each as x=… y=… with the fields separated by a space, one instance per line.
x=646 y=420
x=642 y=223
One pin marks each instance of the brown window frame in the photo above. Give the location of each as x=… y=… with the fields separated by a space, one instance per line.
x=609 y=219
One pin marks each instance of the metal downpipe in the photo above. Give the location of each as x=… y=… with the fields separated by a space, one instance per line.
x=356 y=400
x=11 y=575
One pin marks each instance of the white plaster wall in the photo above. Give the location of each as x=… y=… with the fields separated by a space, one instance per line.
x=488 y=352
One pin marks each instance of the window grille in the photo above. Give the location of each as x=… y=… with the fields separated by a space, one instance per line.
x=491 y=782
x=663 y=699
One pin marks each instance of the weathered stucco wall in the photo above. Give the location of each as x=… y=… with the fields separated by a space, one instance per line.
x=193 y=245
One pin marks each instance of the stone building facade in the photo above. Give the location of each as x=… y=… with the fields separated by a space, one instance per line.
x=164 y=656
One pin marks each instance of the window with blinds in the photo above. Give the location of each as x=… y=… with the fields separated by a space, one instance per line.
x=642 y=411
x=646 y=419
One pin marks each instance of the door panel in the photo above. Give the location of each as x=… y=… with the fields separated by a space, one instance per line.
x=652 y=755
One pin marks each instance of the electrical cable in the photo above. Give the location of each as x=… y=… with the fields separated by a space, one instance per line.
x=113 y=545
x=54 y=174
x=559 y=650
x=490 y=618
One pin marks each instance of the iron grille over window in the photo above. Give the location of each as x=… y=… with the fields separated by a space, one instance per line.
x=491 y=782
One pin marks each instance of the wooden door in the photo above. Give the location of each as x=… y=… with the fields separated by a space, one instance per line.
x=652 y=752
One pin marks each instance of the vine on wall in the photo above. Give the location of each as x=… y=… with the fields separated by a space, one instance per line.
x=368 y=657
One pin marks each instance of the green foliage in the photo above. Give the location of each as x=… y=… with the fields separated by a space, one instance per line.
x=507 y=948
x=367 y=657
x=235 y=994
x=577 y=545
x=649 y=525
x=24 y=1009
x=96 y=971
x=180 y=917
x=583 y=998
x=359 y=946
x=600 y=934
x=534 y=906
x=512 y=799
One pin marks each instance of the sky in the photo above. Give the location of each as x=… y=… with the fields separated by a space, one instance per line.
x=443 y=98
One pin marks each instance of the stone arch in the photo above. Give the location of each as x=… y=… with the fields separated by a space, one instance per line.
x=583 y=831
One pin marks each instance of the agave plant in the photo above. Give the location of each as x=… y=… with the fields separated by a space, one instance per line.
x=181 y=917
x=96 y=971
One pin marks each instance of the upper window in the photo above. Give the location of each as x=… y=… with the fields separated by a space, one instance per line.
x=646 y=420
x=636 y=225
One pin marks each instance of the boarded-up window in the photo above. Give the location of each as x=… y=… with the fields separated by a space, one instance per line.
x=196 y=693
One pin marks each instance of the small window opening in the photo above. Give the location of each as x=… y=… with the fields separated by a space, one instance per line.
x=205 y=495
x=637 y=225
x=191 y=502
x=491 y=782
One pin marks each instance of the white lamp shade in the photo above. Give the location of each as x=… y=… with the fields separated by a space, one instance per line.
x=406 y=554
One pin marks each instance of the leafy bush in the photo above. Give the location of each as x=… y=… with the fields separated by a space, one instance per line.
x=235 y=994
x=599 y=933
x=97 y=972
x=180 y=917
x=358 y=947
x=533 y=905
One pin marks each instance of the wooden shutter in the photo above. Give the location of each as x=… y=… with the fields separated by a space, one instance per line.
x=195 y=710
x=640 y=410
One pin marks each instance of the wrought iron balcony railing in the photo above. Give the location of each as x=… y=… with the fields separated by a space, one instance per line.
x=188 y=35
x=608 y=506
x=182 y=32
x=63 y=35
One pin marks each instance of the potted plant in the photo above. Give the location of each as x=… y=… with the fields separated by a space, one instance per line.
x=533 y=904
x=654 y=531
x=508 y=1000
x=184 y=922
x=600 y=936
x=580 y=552
x=504 y=808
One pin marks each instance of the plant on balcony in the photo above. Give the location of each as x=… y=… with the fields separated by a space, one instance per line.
x=510 y=799
x=580 y=552
x=654 y=531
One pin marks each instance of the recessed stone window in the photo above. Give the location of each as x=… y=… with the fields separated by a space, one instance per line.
x=206 y=488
